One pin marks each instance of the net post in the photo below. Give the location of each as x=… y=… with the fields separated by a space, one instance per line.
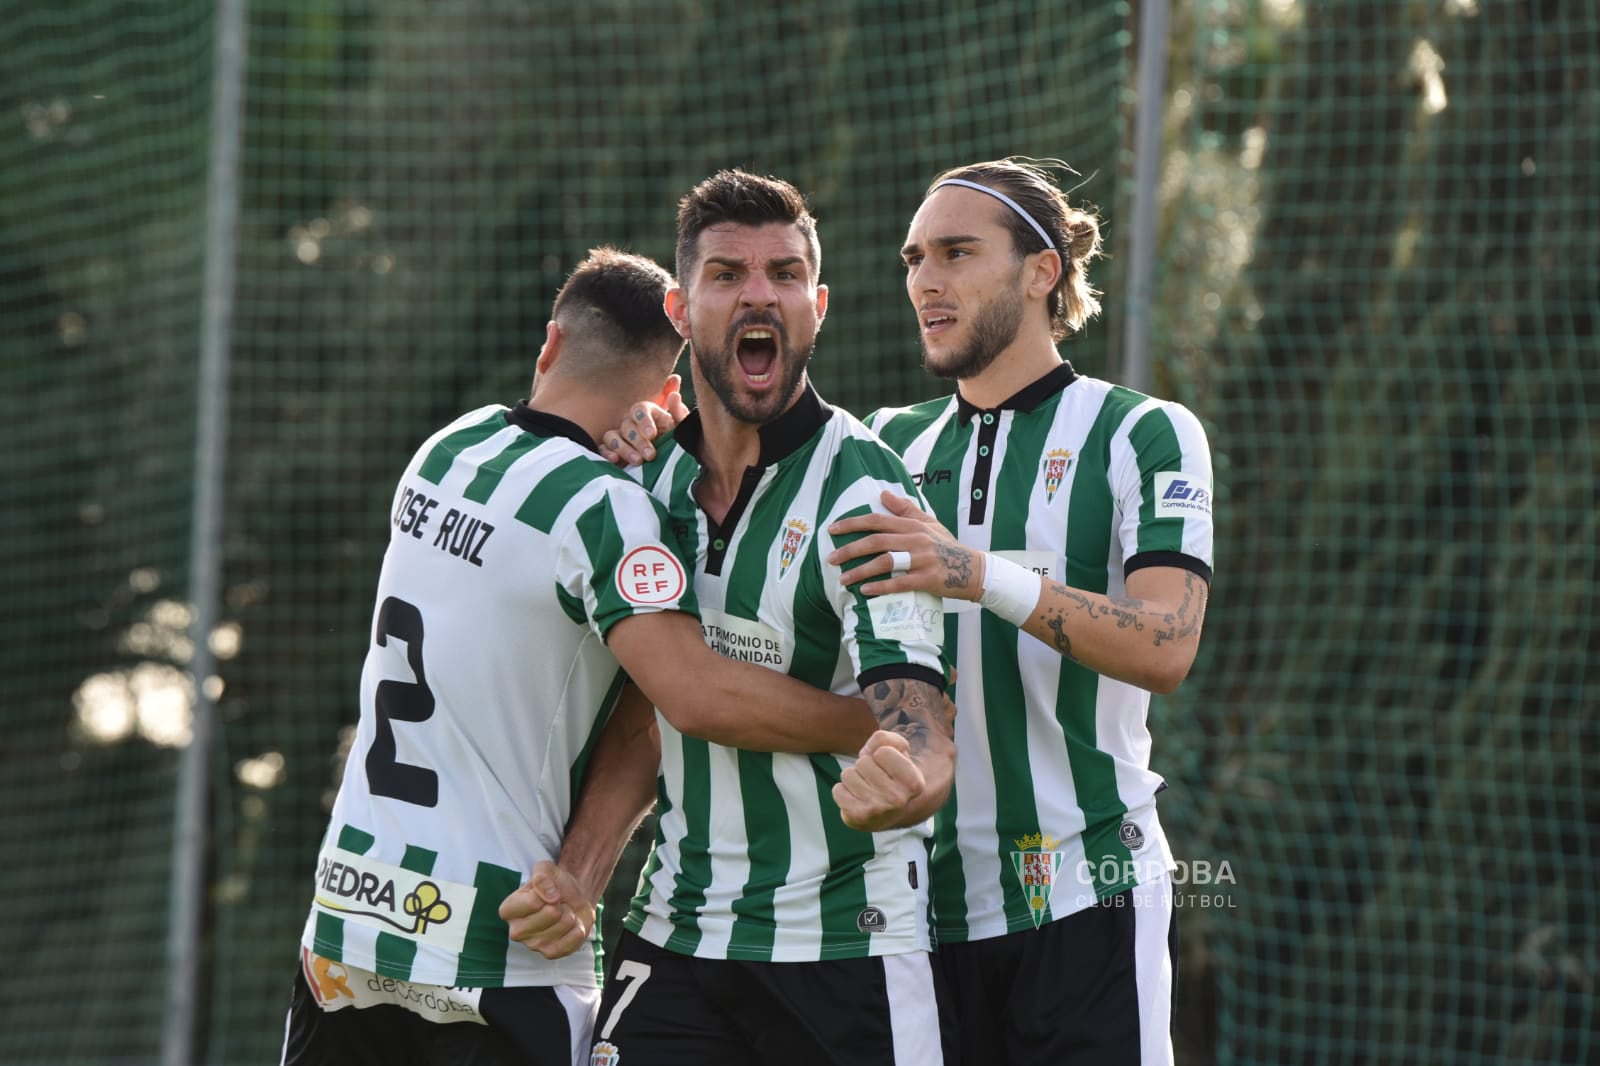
x=1154 y=23
x=191 y=823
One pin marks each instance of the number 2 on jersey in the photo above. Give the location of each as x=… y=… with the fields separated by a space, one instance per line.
x=401 y=701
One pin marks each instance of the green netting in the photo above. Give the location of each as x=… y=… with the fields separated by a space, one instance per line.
x=1380 y=230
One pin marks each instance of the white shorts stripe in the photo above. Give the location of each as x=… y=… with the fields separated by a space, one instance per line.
x=581 y=1005
x=913 y=1009
x=1152 y=961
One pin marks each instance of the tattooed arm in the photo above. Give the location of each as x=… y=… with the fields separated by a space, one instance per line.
x=1147 y=637
x=903 y=773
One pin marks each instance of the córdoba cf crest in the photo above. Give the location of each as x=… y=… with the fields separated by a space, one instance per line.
x=1056 y=463
x=1036 y=865
x=794 y=538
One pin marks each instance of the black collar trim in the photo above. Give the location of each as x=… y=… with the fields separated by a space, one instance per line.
x=1026 y=400
x=545 y=424
x=781 y=437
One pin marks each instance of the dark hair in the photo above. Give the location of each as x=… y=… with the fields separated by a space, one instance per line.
x=1075 y=232
x=746 y=200
x=616 y=299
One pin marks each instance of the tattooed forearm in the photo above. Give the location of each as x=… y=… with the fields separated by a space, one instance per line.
x=910 y=708
x=957 y=565
x=1184 y=621
x=1056 y=622
x=1125 y=611
x=1164 y=626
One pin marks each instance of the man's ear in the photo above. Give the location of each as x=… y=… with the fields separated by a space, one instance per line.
x=1046 y=273
x=551 y=352
x=676 y=304
x=822 y=303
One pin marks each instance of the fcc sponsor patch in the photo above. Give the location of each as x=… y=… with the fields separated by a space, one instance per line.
x=651 y=576
x=337 y=986
x=1180 y=495
x=391 y=899
x=907 y=616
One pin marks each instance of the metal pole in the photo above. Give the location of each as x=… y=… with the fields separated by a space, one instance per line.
x=1152 y=88
x=191 y=823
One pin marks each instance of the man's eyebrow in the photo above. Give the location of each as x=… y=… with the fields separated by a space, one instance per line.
x=942 y=242
x=784 y=262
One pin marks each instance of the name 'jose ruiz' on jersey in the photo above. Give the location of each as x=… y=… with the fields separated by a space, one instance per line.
x=459 y=533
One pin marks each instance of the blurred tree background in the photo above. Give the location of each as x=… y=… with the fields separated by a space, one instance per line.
x=1379 y=237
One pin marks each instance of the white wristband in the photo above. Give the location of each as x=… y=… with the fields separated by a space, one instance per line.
x=1009 y=590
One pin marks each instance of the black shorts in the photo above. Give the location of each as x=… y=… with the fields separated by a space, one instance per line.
x=528 y=1026
x=661 y=1008
x=1091 y=989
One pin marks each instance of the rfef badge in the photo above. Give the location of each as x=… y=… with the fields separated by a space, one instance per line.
x=1036 y=864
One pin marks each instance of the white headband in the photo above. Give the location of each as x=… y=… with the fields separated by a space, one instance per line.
x=1003 y=198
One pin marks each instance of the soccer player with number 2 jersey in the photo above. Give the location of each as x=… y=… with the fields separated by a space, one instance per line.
x=521 y=569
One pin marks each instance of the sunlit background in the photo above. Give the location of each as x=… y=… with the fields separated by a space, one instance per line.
x=1376 y=278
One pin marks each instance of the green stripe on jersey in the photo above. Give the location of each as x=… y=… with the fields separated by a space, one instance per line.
x=490 y=472
x=1156 y=446
x=1004 y=699
x=488 y=936
x=395 y=954
x=844 y=897
x=1090 y=540
x=444 y=453
x=766 y=827
x=330 y=930
x=545 y=503
x=694 y=850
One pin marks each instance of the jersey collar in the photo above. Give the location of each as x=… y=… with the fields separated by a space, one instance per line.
x=1026 y=400
x=781 y=437
x=545 y=424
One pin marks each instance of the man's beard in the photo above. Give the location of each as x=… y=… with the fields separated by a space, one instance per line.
x=719 y=367
x=992 y=333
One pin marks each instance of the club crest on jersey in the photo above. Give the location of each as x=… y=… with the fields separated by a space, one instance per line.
x=605 y=1053
x=1037 y=863
x=795 y=532
x=1057 y=461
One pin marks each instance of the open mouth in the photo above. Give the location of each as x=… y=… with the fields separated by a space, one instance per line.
x=757 y=353
x=937 y=323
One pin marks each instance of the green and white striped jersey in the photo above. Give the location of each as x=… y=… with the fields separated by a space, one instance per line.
x=751 y=859
x=1054 y=800
x=513 y=550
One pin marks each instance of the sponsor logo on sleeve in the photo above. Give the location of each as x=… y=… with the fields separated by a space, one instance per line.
x=906 y=616
x=650 y=576
x=1180 y=495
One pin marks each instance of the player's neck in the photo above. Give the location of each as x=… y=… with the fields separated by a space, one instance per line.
x=1030 y=357
x=590 y=413
x=728 y=447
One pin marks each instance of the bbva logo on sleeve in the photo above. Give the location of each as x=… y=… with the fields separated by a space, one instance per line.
x=1180 y=495
x=650 y=576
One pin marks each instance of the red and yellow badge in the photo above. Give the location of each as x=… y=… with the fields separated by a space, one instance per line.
x=795 y=532
x=1057 y=462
